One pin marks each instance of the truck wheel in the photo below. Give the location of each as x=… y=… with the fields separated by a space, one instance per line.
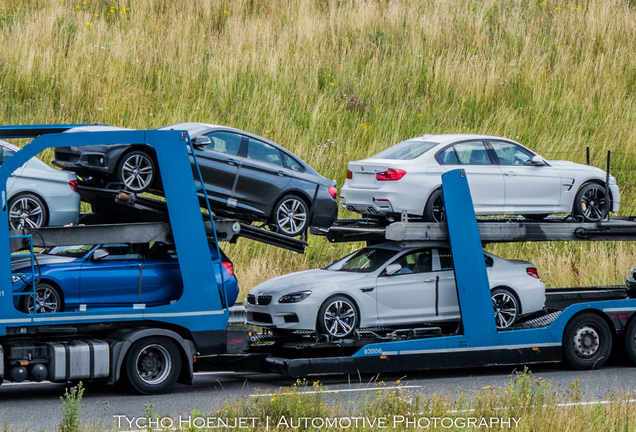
x=337 y=317
x=152 y=365
x=630 y=340
x=587 y=342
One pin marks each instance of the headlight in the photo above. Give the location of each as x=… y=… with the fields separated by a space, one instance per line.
x=294 y=297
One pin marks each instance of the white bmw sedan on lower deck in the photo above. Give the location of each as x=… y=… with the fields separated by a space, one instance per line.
x=388 y=285
x=505 y=178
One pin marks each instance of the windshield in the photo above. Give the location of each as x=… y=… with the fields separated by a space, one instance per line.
x=409 y=149
x=365 y=260
x=68 y=251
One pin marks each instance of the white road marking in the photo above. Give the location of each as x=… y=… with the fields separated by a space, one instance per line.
x=334 y=391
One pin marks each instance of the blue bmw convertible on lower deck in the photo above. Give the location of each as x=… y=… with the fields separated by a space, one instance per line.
x=70 y=278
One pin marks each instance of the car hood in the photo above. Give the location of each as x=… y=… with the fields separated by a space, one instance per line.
x=23 y=262
x=308 y=279
x=566 y=166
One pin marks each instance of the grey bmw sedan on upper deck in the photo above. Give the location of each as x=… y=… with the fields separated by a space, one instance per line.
x=245 y=176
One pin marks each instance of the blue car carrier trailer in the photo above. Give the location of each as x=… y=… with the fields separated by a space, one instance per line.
x=150 y=349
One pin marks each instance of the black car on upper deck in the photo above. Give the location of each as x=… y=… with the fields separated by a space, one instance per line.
x=245 y=175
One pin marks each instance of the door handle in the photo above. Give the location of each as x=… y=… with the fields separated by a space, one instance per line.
x=429 y=280
x=510 y=173
x=281 y=173
x=232 y=162
x=134 y=265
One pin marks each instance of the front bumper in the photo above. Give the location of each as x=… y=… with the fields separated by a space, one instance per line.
x=283 y=316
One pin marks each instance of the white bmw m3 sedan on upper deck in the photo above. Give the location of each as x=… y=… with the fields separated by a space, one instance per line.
x=505 y=178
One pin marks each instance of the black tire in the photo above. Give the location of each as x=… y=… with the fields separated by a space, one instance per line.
x=630 y=340
x=506 y=307
x=434 y=210
x=590 y=202
x=536 y=217
x=337 y=317
x=152 y=365
x=290 y=216
x=48 y=300
x=587 y=341
x=27 y=211
x=137 y=171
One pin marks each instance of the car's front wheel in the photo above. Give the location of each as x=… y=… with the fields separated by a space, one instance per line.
x=137 y=171
x=290 y=216
x=47 y=300
x=26 y=211
x=590 y=202
x=338 y=317
x=506 y=307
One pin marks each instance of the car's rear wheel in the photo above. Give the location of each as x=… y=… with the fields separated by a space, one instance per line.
x=47 y=300
x=590 y=202
x=434 y=210
x=338 y=317
x=290 y=216
x=137 y=171
x=506 y=307
x=27 y=211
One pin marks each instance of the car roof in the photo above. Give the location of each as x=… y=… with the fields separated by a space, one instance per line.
x=445 y=138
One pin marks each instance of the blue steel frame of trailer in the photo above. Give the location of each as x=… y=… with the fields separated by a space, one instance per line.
x=199 y=308
x=478 y=343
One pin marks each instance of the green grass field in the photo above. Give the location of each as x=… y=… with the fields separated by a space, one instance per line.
x=336 y=81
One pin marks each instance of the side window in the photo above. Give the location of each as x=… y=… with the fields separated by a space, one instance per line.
x=511 y=154
x=224 y=142
x=446 y=259
x=291 y=163
x=259 y=151
x=121 y=252
x=415 y=262
x=448 y=157
x=472 y=153
x=161 y=251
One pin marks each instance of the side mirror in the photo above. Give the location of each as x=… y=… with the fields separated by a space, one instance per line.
x=537 y=161
x=100 y=254
x=201 y=141
x=392 y=269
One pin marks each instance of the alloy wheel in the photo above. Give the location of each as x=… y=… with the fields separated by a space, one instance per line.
x=291 y=216
x=26 y=212
x=505 y=308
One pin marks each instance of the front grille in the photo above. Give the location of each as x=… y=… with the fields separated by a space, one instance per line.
x=261 y=317
x=251 y=299
x=264 y=300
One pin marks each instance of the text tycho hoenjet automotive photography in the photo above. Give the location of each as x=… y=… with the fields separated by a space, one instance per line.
x=317 y=215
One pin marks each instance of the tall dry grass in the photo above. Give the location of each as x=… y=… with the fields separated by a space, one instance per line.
x=335 y=81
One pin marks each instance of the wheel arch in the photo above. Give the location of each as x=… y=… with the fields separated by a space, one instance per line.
x=297 y=193
x=37 y=194
x=589 y=181
x=123 y=340
x=343 y=294
x=598 y=312
x=511 y=291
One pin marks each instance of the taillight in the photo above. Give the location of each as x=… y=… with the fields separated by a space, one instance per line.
x=349 y=174
x=229 y=267
x=532 y=272
x=390 y=175
x=333 y=191
x=73 y=185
